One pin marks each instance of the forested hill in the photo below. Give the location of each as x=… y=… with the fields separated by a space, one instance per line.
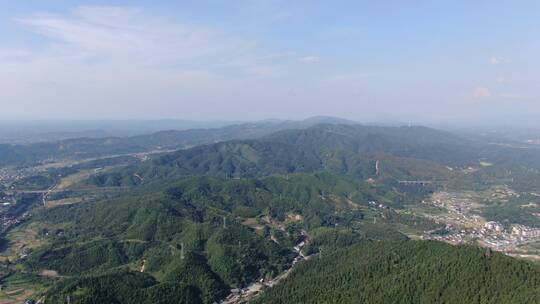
x=413 y=142
x=80 y=148
x=409 y=272
x=196 y=237
x=349 y=149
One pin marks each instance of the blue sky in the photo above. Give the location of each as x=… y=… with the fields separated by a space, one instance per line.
x=256 y=59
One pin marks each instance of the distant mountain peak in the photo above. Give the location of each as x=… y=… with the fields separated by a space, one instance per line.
x=329 y=120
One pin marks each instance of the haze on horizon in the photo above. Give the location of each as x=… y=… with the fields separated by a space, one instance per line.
x=260 y=59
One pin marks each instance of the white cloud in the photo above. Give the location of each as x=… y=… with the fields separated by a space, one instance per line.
x=121 y=62
x=127 y=34
x=496 y=60
x=481 y=93
x=310 y=59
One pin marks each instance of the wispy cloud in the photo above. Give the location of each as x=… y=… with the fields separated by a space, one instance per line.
x=310 y=59
x=119 y=33
x=496 y=60
x=119 y=59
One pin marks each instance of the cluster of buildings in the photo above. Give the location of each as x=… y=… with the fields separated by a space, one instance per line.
x=517 y=231
x=459 y=237
x=493 y=234
x=524 y=232
x=467 y=227
x=459 y=209
x=9 y=176
x=8 y=222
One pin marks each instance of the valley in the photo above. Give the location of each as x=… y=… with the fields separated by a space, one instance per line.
x=242 y=216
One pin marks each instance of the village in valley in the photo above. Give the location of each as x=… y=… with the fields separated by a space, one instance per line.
x=461 y=214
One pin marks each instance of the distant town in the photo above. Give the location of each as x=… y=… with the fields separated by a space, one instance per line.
x=465 y=226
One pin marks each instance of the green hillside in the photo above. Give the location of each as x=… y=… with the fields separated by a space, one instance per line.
x=123 y=288
x=226 y=233
x=409 y=272
x=81 y=148
x=344 y=149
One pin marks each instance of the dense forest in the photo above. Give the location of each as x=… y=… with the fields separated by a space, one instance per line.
x=161 y=229
x=354 y=150
x=199 y=225
x=124 y=287
x=409 y=272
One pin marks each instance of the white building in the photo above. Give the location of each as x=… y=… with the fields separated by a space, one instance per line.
x=496 y=226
